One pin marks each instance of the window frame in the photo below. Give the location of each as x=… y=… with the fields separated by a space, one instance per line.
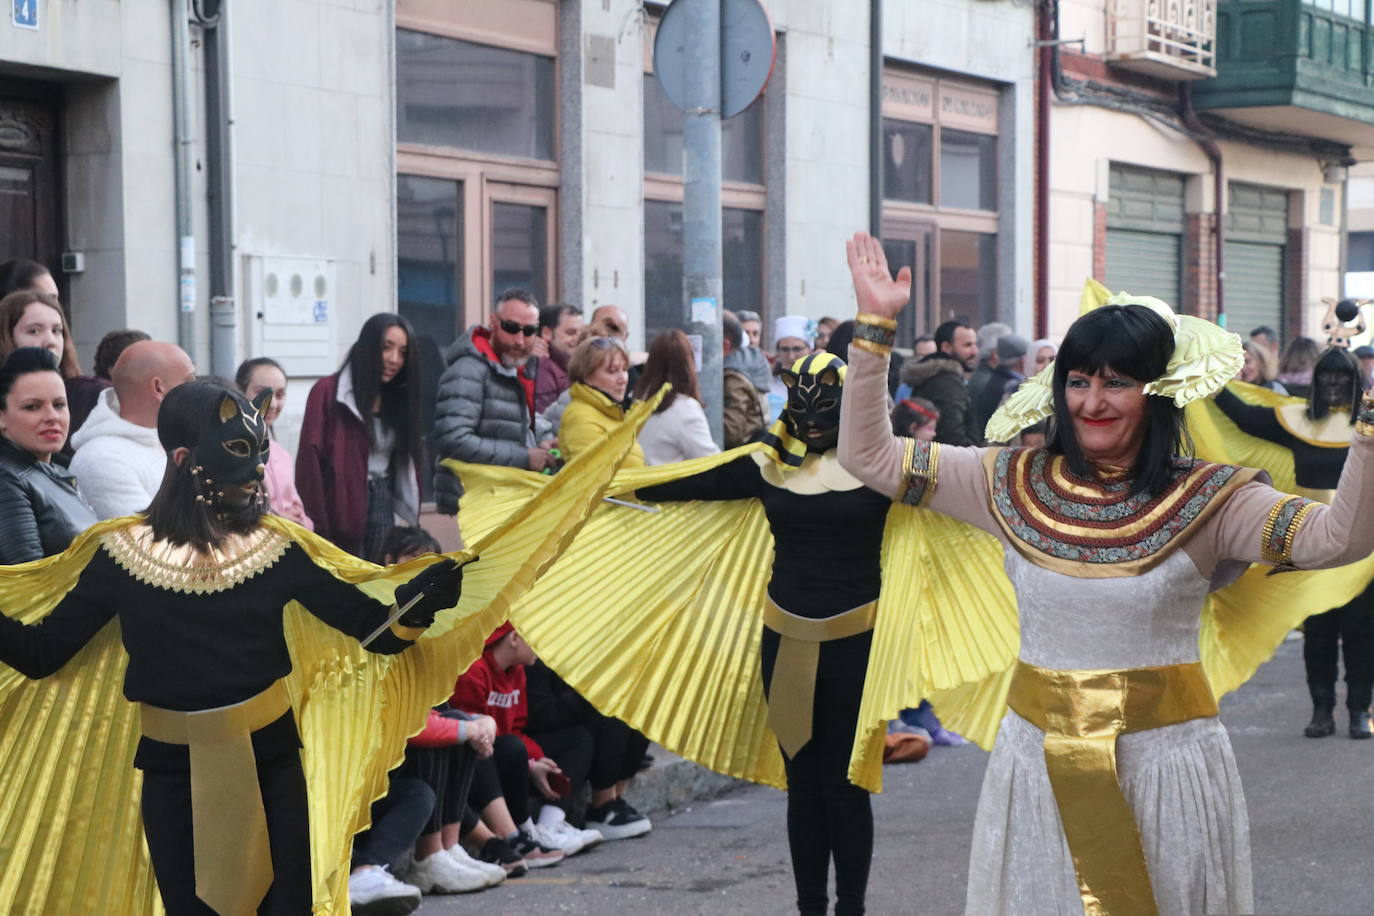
x=527 y=26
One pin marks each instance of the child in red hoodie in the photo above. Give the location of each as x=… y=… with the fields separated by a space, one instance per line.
x=495 y=686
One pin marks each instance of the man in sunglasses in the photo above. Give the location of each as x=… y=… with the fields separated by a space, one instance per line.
x=485 y=413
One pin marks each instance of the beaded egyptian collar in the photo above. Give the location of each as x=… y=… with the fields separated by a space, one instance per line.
x=182 y=568
x=1095 y=528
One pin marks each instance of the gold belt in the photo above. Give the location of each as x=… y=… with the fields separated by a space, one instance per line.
x=792 y=692
x=1081 y=713
x=1321 y=496
x=228 y=821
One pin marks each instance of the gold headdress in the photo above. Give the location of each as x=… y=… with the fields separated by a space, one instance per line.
x=1205 y=358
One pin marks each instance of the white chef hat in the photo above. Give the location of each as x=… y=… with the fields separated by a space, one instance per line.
x=794 y=326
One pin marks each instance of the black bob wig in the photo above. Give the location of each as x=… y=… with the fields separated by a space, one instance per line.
x=1132 y=341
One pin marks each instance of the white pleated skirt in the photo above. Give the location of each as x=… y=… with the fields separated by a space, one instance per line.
x=1181 y=781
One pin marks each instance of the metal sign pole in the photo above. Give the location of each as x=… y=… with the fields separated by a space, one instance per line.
x=701 y=261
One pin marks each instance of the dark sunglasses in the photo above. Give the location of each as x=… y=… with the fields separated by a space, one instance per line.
x=511 y=327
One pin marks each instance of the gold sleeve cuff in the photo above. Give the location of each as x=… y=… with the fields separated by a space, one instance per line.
x=1281 y=529
x=875 y=333
x=920 y=466
x=409 y=634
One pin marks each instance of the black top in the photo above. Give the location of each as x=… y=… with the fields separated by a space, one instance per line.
x=40 y=506
x=193 y=651
x=827 y=548
x=1314 y=466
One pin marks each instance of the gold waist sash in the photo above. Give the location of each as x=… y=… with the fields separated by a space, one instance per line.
x=1321 y=496
x=1081 y=713
x=792 y=692
x=228 y=821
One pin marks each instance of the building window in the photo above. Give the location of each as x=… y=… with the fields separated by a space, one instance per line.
x=475 y=97
x=940 y=190
x=742 y=232
x=1361 y=257
x=743 y=196
x=477 y=158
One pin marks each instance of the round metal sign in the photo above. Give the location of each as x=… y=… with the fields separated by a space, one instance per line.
x=748 y=50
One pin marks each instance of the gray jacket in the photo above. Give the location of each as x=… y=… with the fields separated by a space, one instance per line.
x=482 y=417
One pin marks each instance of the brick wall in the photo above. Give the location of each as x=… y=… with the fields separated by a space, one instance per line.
x=1199 y=266
x=1100 y=241
x=1295 y=283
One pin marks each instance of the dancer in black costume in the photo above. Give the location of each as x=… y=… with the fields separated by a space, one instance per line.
x=199 y=589
x=1319 y=438
x=827 y=535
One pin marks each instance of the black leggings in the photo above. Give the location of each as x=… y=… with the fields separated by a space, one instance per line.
x=167 y=826
x=446 y=770
x=827 y=815
x=1347 y=630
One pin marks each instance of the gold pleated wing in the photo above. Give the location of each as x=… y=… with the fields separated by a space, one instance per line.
x=1216 y=438
x=655 y=617
x=71 y=841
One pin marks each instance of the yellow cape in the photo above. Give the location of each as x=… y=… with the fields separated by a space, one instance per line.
x=70 y=835
x=655 y=618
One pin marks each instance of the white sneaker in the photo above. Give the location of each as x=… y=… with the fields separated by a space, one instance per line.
x=372 y=891
x=495 y=874
x=554 y=838
x=440 y=874
x=555 y=823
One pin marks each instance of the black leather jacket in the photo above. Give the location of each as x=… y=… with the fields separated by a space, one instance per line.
x=40 y=508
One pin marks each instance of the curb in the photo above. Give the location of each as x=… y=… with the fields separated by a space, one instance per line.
x=673 y=783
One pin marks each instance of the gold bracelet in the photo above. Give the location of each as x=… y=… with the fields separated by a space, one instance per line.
x=1364 y=417
x=874 y=333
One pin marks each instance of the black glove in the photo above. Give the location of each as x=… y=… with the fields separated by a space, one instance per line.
x=439 y=586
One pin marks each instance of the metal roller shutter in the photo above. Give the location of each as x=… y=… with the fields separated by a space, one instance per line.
x=1256 y=230
x=1145 y=219
x=1144 y=264
x=1254 y=286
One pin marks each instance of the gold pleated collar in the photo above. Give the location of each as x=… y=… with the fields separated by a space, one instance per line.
x=182 y=568
x=1332 y=431
x=817 y=474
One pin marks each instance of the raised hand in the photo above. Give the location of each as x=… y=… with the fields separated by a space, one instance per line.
x=874 y=287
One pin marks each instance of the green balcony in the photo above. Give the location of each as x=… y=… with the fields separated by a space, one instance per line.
x=1294 y=66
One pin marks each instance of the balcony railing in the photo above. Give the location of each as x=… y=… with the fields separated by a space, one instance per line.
x=1168 y=39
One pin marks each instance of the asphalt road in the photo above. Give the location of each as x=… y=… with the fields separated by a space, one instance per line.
x=1310 y=818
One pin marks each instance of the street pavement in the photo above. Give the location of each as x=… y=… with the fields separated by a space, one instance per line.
x=1310 y=828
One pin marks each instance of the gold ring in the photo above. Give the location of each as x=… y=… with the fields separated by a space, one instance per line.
x=863 y=259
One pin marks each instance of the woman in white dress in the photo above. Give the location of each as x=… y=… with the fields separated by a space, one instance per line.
x=1111 y=788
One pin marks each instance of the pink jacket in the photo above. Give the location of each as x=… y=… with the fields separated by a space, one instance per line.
x=280 y=479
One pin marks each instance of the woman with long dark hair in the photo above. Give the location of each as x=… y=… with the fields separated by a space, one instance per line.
x=1111 y=786
x=361 y=440
x=677 y=430
x=39 y=501
x=1318 y=435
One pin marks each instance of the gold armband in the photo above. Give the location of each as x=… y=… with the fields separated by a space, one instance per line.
x=1281 y=528
x=920 y=464
x=874 y=333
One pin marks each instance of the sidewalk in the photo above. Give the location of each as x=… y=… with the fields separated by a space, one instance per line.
x=673 y=783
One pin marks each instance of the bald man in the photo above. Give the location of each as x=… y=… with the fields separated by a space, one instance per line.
x=613 y=316
x=119 y=461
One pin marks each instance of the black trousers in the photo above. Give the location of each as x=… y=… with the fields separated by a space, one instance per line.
x=828 y=817
x=398 y=819
x=1348 y=631
x=512 y=763
x=167 y=826
x=445 y=770
x=617 y=749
